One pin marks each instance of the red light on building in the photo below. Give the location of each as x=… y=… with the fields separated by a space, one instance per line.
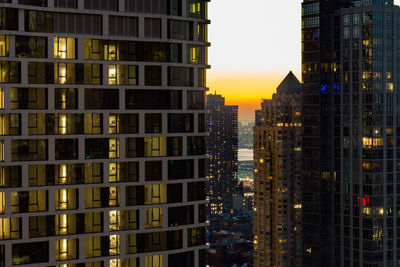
x=366 y=201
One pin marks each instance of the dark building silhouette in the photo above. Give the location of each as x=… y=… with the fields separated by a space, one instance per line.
x=350 y=148
x=277 y=165
x=222 y=148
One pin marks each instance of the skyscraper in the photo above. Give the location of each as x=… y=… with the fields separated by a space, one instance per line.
x=277 y=165
x=102 y=132
x=222 y=148
x=350 y=119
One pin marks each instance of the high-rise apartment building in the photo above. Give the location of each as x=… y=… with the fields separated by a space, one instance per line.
x=102 y=133
x=222 y=148
x=277 y=170
x=351 y=155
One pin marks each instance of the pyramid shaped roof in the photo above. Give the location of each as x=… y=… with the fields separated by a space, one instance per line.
x=289 y=85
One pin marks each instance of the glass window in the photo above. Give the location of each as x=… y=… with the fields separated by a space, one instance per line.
x=123 y=26
x=153 y=99
x=180 y=123
x=197 y=9
x=10 y=176
x=9 y=19
x=121 y=220
x=31 y=47
x=29 y=201
x=30 y=253
x=1 y=98
x=153 y=261
x=9 y=72
x=28 y=150
x=65 y=3
x=153 y=75
x=123 y=123
x=122 y=75
x=10 y=228
x=10 y=124
x=123 y=171
x=38 y=21
x=181 y=30
x=4 y=45
x=40 y=72
x=66 y=249
x=180 y=76
x=153 y=123
x=101 y=99
x=152 y=27
x=66 y=149
x=197 y=54
x=64 y=48
x=66 y=98
x=66 y=199
x=28 y=98
x=153 y=218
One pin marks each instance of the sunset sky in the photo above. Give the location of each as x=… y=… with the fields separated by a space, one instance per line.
x=254 y=44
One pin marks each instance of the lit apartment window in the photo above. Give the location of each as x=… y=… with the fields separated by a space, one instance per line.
x=10 y=228
x=123 y=220
x=123 y=171
x=66 y=249
x=131 y=262
x=154 y=261
x=64 y=48
x=4 y=45
x=2 y=202
x=1 y=98
x=131 y=244
x=155 y=194
x=154 y=218
x=122 y=75
x=1 y=150
x=66 y=199
x=102 y=246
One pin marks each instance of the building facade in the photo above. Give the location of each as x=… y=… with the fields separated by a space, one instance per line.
x=102 y=133
x=351 y=51
x=277 y=170
x=222 y=148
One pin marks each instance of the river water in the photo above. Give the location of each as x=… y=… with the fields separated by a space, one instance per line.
x=245 y=154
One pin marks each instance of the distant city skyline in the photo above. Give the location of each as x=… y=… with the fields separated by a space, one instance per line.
x=244 y=78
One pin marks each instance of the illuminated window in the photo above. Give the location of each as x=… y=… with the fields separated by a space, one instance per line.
x=2 y=202
x=10 y=228
x=114 y=148
x=93 y=123
x=66 y=249
x=155 y=194
x=372 y=142
x=131 y=244
x=155 y=146
x=154 y=261
x=123 y=220
x=197 y=54
x=4 y=45
x=154 y=218
x=64 y=224
x=66 y=199
x=64 y=48
x=29 y=201
x=1 y=98
x=1 y=150
x=122 y=75
x=132 y=262
x=114 y=245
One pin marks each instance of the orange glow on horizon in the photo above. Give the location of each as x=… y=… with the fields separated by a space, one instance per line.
x=244 y=89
